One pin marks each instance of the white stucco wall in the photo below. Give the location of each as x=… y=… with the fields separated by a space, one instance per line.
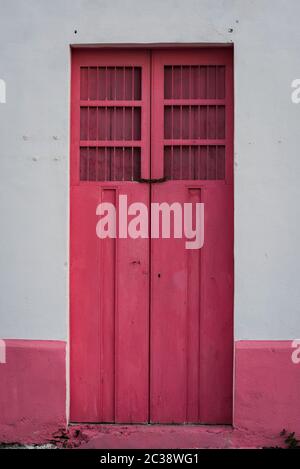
x=34 y=149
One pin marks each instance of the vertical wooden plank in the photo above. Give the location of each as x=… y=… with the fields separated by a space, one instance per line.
x=132 y=320
x=193 y=318
x=216 y=331
x=107 y=269
x=85 y=307
x=168 y=378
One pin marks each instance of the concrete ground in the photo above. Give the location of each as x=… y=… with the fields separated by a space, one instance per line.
x=115 y=436
x=105 y=436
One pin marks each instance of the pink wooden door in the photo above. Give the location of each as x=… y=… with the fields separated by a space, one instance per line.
x=151 y=322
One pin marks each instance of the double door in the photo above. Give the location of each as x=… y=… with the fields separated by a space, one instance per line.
x=151 y=322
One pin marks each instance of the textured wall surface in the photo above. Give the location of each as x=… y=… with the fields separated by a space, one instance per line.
x=34 y=149
x=33 y=390
x=266 y=387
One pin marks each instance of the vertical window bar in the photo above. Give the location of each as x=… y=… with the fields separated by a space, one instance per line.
x=88 y=164
x=123 y=82
x=180 y=123
x=109 y=163
x=207 y=161
x=88 y=123
x=105 y=165
x=114 y=94
x=113 y=165
x=123 y=164
x=96 y=164
x=132 y=83
x=123 y=123
x=181 y=84
x=181 y=163
x=216 y=118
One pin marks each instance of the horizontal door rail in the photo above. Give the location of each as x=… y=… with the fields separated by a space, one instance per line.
x=194 y=102
x=109 y=103
x=110 y=143
x=193 y=141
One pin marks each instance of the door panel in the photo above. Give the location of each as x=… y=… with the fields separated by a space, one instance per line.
x=191 y=352
x=109 y=278
x=191 y=313
x=175 y=327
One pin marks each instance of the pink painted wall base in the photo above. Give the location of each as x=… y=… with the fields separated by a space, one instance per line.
x=33 y=402
x=32 y=391
x=267 y=385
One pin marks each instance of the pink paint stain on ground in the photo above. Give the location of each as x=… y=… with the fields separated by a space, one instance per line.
x=164 y=437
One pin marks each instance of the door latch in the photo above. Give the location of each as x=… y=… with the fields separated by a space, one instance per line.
x=152 y=181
